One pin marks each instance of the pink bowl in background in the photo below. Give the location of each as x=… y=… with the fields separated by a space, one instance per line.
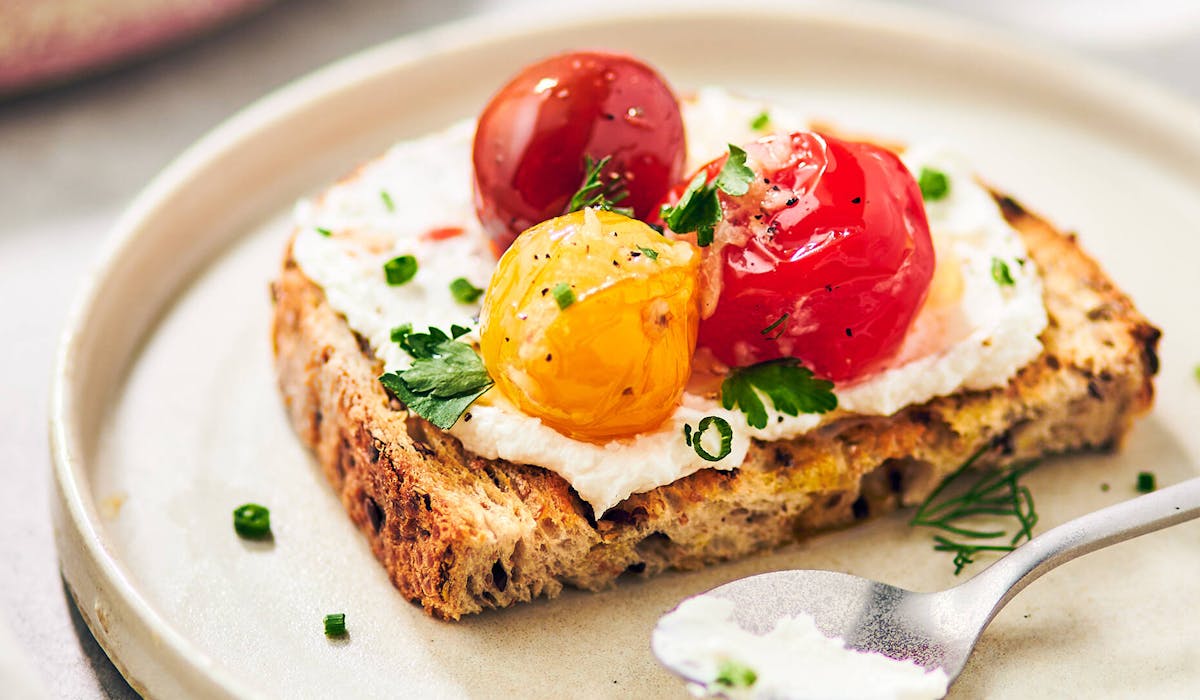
x=50 y=41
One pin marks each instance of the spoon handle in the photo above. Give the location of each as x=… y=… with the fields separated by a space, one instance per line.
x=1117 y=523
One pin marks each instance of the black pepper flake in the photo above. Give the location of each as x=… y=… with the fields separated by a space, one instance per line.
x=616 y=264
x=856 y=200
x=792 y=201
x=774 y=188
x=548 y=356
x=766 y=180
x=758 y=217
x=635 y=253
x=829 y=287
x=544 y=291
x=849 y=333
x=608 y=117
x=467 y=417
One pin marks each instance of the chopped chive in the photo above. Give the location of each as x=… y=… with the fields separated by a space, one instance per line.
x=759 y=122
x=387 y=200
x=773 y=326
x=723 y=430
x=324 y=232
x=563 y=295
x=252 y=521
x=653 y=255
x=733 y=674
x=1001 y=273
x=934 y=184
x=400 y=270
x=1146 y=482
x=464 y=292
x=335 y=625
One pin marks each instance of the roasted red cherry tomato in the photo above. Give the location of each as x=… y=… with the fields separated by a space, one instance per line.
x=826 y=258
x=534 y=134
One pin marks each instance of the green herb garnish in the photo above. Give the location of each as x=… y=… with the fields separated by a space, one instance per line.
x=791 y=387
x=335 y=625
x=1001 y=273
x=399 y=333
x=997 y=492
x=400 y=270
x=934 y=184
x=649 y=252
x=464 y=292
x=324 y=232
x=695 y=437
x=563 y=295
x=774 y=325
x=387 y=200
x=699 y=209
x=597 y=194
x=734 y=674
x=445 y=378
x=760 y=121
x=1196 y=371
x=1146 y=482
x=252 y=521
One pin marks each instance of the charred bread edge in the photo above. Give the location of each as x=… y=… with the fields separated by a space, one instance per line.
x=459 y=534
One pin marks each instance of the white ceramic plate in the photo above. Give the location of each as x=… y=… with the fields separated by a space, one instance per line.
x=165 y=415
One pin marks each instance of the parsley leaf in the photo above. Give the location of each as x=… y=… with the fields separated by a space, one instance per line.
x=791 y=387
x=735 y=176
x=445 y=378
x=324 y=232
x=594 y=193
x=699 y=209
x=934 y=184
x=648 y=252
x=761 y=121
x=387 y=200
x=423 y=346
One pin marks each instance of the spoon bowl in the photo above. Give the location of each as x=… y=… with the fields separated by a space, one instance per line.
x=934 y=630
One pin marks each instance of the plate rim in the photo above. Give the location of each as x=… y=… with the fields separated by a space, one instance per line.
x=93 y=572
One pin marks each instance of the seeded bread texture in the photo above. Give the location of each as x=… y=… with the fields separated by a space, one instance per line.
x=459 y=534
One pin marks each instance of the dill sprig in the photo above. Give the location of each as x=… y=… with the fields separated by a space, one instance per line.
x=595 y=193
x=998 y=493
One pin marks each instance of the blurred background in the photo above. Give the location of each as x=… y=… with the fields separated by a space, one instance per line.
x=96 y=96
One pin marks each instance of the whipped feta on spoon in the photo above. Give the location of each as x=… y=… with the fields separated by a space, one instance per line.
x=754 y=636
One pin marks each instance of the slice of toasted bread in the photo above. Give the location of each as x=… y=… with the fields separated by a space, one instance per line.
x=459 y=533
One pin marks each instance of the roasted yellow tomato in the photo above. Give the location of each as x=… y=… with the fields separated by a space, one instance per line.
x=590 y=324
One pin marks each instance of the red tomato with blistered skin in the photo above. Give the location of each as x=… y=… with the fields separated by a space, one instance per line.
x=827 y=258
x=533 y=136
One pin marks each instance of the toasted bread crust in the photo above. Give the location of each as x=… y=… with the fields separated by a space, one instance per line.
x=459 y=534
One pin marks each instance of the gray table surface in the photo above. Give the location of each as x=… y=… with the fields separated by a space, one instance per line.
x=72 y=158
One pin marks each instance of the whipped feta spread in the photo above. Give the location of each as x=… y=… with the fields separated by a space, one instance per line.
x=415 y=200
x=795 y=660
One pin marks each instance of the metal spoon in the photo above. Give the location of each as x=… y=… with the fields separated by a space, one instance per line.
x=938 y=630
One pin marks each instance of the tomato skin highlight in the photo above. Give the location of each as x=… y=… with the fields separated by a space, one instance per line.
x=828 y=258
x=534 y=134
